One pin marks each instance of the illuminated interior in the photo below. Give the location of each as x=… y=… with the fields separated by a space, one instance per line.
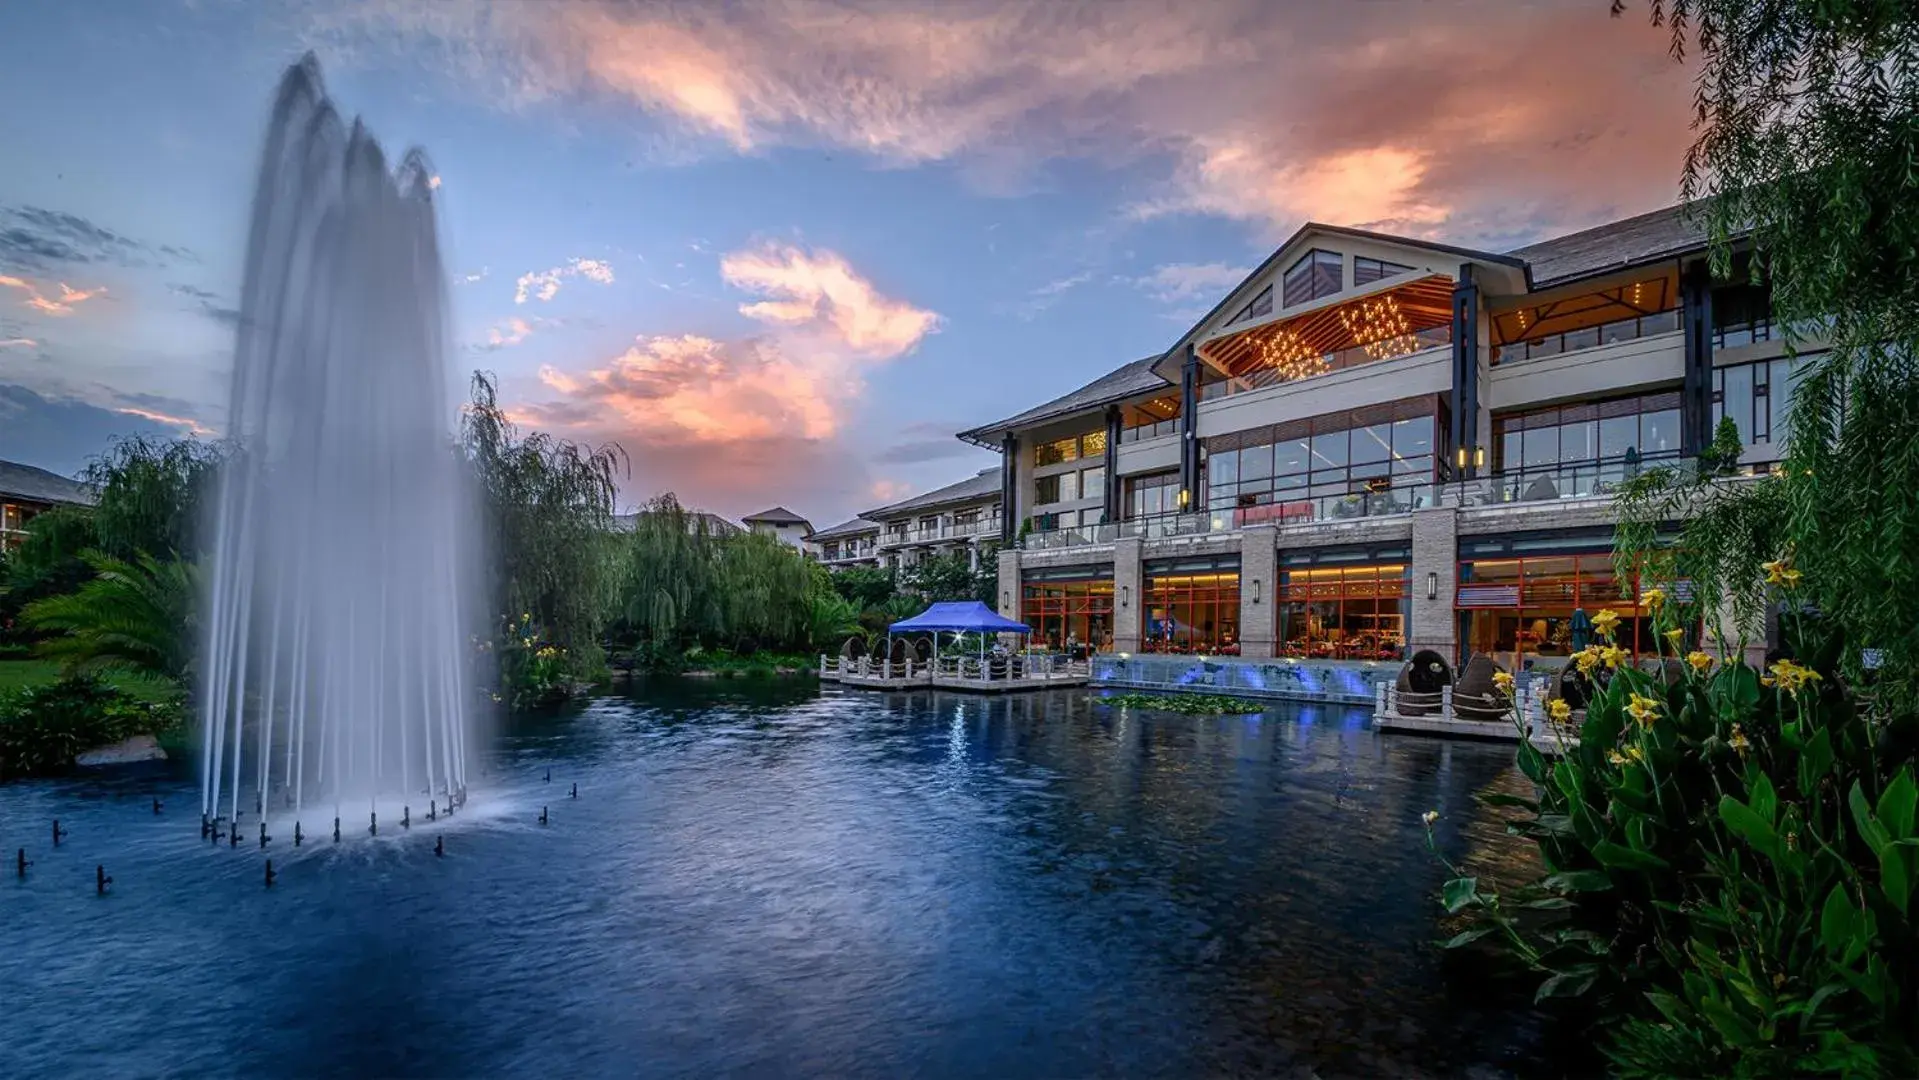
x=1623 y=312
x=1392 y=323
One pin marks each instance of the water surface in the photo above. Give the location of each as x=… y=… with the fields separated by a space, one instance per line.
x=768 y=881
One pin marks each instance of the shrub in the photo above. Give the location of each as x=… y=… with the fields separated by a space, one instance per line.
x=42 y=728
x=1730 y=868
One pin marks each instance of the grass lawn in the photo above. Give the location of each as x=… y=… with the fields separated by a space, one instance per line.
x=20 y=674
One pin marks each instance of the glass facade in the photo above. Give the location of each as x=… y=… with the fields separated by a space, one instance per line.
x=1091 y=444
x=1757 y=397
x=1583 y=449
x=1317 y=274
x=1151 y=496
x=1192 y=606
x=1376 y=460
x=1069 y=606
x=1366 y=271
x=1343 y=612
x=1521 y=611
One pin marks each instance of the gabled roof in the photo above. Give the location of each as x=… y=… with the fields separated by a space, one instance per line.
x=1662 y=234
x=1239 y=293
x=1117 y=385
x=30 y=483
x=971 y=489
x=779 y=515
x=848 y=528
x=715 y=524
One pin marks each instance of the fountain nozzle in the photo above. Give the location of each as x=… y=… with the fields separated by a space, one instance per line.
x=58 y=832
x=373 y=823
x=263 y=835
x=21 y=862
x=156 y=806
x=206 y=826
x=270 y=874
x=336 y=828
x=576 y=792
x=542 y=815
x=439 y=845
x=297 y=835
x=101 y=880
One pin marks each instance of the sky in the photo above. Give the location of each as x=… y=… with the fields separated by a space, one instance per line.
x=780 y=252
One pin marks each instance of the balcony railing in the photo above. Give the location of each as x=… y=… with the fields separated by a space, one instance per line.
x=1577 y=480
x=1358 y=356
x=949 y=531
x=1591 y=337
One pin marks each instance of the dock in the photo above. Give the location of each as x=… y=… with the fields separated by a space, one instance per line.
x=993 y=675
x=1434 y=714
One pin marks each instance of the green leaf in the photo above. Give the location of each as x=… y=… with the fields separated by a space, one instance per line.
x=1816 y=761
x=1467 y=937
x=1579 y=881
x=1621 y=857
x=1837 y=922
x=1532 y=763
x=1548 y=903
x=1869 y=827
x=1894 y=877
x=1569 y=983
x=1735 y=1029
x=1749 y=826
x=1896 y=803
x=1458 y=893
x=1740 y=685
x=1763 y=800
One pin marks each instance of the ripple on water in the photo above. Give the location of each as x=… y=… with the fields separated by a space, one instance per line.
x=761 y=880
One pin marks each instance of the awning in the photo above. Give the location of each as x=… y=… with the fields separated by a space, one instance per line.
x=961 y=615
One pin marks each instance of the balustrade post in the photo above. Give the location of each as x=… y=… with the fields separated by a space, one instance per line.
x=1380 y=700
x=1446 y=702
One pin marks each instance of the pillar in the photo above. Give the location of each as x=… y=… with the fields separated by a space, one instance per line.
x=1435 y=576
x=1695 y=393
x=1189 y=432
x=1128 y=598
x=1009 y=585
x=1464 y=428
x=1111 y=494
x=1008 y=489
x=1258 y=579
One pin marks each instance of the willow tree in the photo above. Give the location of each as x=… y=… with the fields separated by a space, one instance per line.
x=766 y=591
x=549 y=508
x=668 y=592
x=150 y=496
x=1807 y=114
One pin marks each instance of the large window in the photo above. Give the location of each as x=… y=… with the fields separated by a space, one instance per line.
x=1261 y=306
x=1583 y=449
x=1070 y=605
x=1366 y=271
x=1192 y=605
x=1376 y=460
x=1091 y=444
x=1151 y=496
x=1529 y=601
x=1342 y=612
x=1317 y=274
x=1757 y=397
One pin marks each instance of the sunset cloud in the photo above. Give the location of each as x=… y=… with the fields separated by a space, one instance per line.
x=508 y=334
x=17 y=342
x=544 y=285
x=820 y=292
x=1269 y=113
x=61 y=307
x=187 y=425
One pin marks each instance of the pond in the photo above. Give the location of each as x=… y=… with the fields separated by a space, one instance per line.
x=773 y=880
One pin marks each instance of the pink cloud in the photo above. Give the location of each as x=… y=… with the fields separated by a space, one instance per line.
x=1473 y=119
x=60 y=308
x=186 y=424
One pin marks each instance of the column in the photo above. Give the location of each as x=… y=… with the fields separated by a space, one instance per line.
x=1189 y=431
x=1008 y=489
x=1435 y=575
x=1128 y=598
x=1464 y=429
x=1111 y=494
x=1695 y=394
x=1258 y=579
x=1009 y=585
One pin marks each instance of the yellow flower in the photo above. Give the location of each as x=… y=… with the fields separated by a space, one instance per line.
x=1503 y=680
x=1791 y=578
x=1700 y=661
x=1606 y=622
x=1615 y=757
x=1643 y=709
x=1780 y=572
x=1677 y=635
x=1559 y=710
x=1587 y=659
x=1613 y=655
x=1429 y=816
x=1654 y=598
x=1738 y=741
x=1790 y=676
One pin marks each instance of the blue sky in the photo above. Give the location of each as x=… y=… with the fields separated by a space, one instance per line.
x=787 y=249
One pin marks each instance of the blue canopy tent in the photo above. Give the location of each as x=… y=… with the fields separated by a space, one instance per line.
x=959 y=616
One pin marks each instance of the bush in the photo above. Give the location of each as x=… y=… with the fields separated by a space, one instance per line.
x=44 y=727
x=1730 y=864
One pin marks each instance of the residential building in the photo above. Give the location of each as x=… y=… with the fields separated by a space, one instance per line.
x=960 y=517
x=26 y=491
x=782 y=525
x=1376 y=444
x=850 y=543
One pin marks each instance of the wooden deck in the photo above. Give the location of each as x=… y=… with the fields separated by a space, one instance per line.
x=1425 y=717
x=997 y=675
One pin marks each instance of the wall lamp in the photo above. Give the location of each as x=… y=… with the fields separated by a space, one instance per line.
x=1255 y=590
x=1125 y=596
x=1432 y=585
x=1005 y=599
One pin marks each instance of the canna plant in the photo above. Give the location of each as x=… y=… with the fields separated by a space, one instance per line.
x=1730 y=863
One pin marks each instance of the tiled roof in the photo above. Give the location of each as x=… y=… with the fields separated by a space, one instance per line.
x=1646 y=238
x=970 y=489
x=1135 y=378
x=715 y=524
x=847 y=528
x=32 y=484
x=779 y=515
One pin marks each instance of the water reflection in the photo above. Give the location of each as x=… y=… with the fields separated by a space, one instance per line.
x=761 y=879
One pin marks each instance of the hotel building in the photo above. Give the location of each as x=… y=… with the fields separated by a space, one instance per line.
x=958 y=518
x=1376 y=444
x=27 y=491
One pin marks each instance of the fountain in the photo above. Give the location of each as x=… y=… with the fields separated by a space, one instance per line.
x=336 y=666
